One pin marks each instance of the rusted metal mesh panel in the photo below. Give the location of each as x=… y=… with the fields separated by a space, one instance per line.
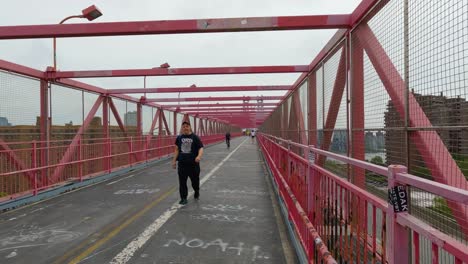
x=19 y=108
x=192 y=121
x=415 y=94
x=352 y=226
x=180 y=117
x=335 y=108
x=438 y=66
x=121 y=108
x=19 y=122
x=304 y=101
x=427 y=251
x=170 y=121
x=130 y=119
x=320 y=105
x=147 y=117
x=66 y=112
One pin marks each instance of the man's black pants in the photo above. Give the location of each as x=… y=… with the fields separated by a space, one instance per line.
x=191 y=171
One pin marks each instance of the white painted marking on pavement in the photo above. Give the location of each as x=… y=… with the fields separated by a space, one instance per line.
x=110 y=183
x=127 y=253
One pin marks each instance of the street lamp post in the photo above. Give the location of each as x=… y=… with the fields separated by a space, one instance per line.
x=90 y=13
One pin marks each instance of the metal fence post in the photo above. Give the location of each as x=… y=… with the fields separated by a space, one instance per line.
x=130 y=153
x=310 y=186
x=397 y=235
x=289 y=162
x=34 y=165
x=80 y=156
x=109 y=153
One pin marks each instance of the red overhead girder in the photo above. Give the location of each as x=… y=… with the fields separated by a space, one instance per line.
x=227 y=113
x=234 y=98
x=176 y=26
x=223 y=109
x=200 y=89
x=178 y=71
x=171 y=106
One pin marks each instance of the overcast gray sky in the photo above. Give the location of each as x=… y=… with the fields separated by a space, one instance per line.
x=188 y=50
x=182 y=50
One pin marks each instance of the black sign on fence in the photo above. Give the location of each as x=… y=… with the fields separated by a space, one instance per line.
x=398 y=197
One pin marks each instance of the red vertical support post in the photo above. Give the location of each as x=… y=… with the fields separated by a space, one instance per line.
x=80 y=156
x=34 y=165
x=284 y=120
x=105 y=127
x=397 y=235
x=130 y=161
x=312 y=83
x=334 y=106
x=139 y=141
x=195 y=125
x=202 y=127
x=358 y=176
x=312 y=119
x=161 y=114
x=357 y=111
x=44 y=129
x=175 y=124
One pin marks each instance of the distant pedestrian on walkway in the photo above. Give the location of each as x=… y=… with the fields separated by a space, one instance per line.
x=252 y=134
x=188 y=153
x=228 y=139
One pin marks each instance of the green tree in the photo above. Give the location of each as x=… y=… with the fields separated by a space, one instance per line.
x=377 y=160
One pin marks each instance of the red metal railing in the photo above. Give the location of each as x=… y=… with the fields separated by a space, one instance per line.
x=21 y=173
x=350 y=223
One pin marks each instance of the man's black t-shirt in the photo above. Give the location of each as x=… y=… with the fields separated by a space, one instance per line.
x=188 y=145
x=228 y=135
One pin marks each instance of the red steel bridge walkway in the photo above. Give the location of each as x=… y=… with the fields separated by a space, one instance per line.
x=362 y=159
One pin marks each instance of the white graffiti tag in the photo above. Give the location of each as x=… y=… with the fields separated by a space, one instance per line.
x=252 y=192
x=137 y=191
x=223 y=218
x=228 y=208
x=236 y=248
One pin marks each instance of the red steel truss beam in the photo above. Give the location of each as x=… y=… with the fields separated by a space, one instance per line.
x=200 y=89
x=17 y=162
x=165 y=123
x=364 y=7
x=296 y=107
x=179 y=71
x=156 y=117
x=334 y=106
x=120 y=123
x=339 y=35
x=218 y=105
x=361 y=10
x=16 y=68
x=74 y=144
x=233 y=98
x=176 y=26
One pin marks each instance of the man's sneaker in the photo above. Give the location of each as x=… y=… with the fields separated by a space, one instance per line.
x=183 y=202
x=196 y=195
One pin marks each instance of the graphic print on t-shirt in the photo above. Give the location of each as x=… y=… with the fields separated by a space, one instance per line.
x=186 y=145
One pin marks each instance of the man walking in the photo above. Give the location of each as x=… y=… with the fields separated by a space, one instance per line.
x=188 y=152
x=252 y=134
x=228 y=139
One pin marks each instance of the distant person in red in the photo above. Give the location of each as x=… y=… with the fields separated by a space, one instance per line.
x=188 y=153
